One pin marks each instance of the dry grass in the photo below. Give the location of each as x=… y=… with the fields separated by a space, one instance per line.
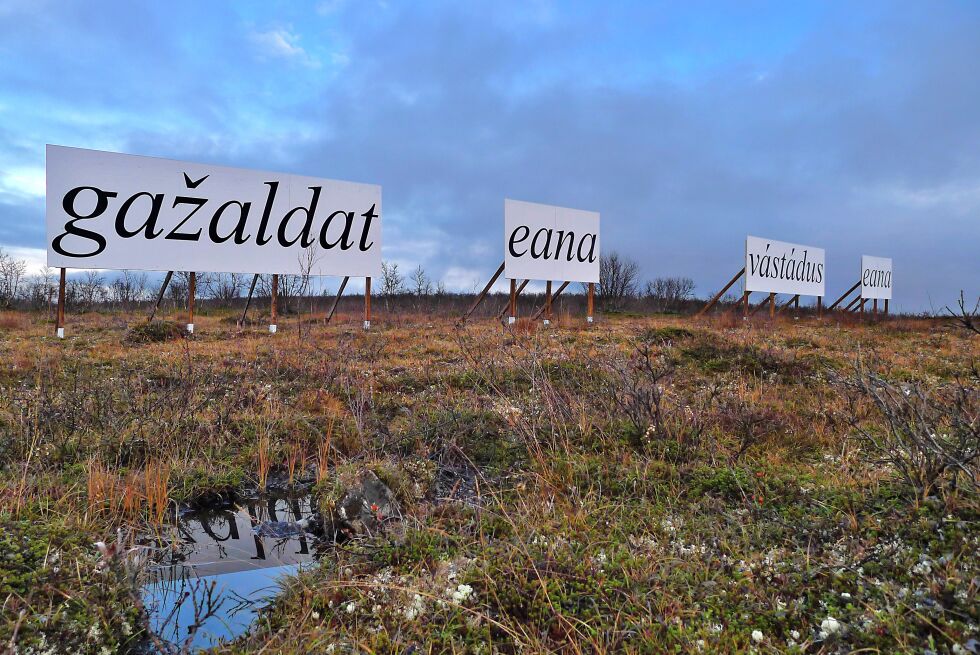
x=557 y=496
x=157 y=478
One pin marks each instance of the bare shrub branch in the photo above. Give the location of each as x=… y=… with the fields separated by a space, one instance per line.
x=930 y=436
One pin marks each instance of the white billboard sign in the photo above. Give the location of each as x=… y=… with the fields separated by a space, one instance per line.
x=544 y=242
x=876 y=277
x=778 y=267
x=109 y=210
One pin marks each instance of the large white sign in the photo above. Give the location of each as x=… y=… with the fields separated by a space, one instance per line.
x=778 y=267
x=107 y=210
x=544 y=242
x=876 y=277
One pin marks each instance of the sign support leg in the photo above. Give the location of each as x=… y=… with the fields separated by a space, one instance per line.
x=336 y=301
x=844 y=295
x=248 y=300
x=819 y=307
x=874 y=308
x=191 y=293
x=504 y=309
x=745 y=305
x=591 y=302
x=547 y=303
x=60 y=318
x=512 y=317
x=717 y=296
x=367 y=303
x=163 y=289
x=273 y=321
x=886 y=306
x=554 y=297
x=482 y=294
x=772 y=305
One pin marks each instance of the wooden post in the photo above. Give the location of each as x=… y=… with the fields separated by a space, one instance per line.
x=503 y=310
x=886 y=306
x=862 y=306
x=367 y=303
x=772 y=305
x=554 y=297
x=163 y=289
x=482 y=295
x=819 y=307
x=745 y=305
x=512 y=317
x=336 y=301
x=547 y=303
x=874 y=308
x=273 y=320
x=248 y=301
x=717 y=296
x=59 y=326
x=191 y=293
x=591 y=302
x=796 y=307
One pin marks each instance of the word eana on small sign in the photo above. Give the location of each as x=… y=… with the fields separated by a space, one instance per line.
x=778 y=267
x=876 y=277
x=544 y=242
x=115 y=211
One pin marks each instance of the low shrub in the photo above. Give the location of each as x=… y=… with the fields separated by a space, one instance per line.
x=154 y=332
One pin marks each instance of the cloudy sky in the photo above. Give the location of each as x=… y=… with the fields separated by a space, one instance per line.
x=854 y=126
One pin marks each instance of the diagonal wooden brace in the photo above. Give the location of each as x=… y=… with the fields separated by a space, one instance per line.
x=537 y=314
x=163 y=289
x=336 y=301
x=844 y=295
x=717 y=296
x=482 y=295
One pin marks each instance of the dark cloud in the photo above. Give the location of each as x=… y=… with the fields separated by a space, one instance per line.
x=850 y=127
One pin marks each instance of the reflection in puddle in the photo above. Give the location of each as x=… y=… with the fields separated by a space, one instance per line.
x=224 y=568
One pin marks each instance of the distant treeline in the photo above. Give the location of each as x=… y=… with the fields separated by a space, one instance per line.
x=621 y=290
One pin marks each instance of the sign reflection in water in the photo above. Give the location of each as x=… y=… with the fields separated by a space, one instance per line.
x=221 y=548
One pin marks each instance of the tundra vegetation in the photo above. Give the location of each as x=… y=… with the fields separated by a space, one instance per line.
x=648 y=485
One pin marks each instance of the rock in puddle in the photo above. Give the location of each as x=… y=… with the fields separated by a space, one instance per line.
x=364 y=507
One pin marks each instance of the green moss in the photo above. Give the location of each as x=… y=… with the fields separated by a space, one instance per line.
x=712 y=357
x=199 y=487
x=482 y=436
x=417 y=547
x=49 y=571
x=409 y=480
x=728 y=483
x=666 y=334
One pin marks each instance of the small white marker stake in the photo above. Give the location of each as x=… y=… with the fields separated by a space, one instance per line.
x=190 y=328
x=367 y=325
x=273 y=328
x=511 y=320
x=547 y=322
x=61 y=333
x=589 y=319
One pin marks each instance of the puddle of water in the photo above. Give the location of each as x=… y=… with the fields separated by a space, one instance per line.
x=220 y=563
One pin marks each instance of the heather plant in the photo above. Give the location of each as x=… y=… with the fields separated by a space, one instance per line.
x=930 y=435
